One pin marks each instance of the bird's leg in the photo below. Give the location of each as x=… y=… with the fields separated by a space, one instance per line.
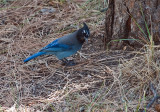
x=68 y=62
x=64 y=60
x=71 y=63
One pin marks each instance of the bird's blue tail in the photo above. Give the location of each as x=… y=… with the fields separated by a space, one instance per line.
x=34 y=56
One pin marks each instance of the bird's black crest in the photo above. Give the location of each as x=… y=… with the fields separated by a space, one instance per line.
x=83 y=33
x=86 y=31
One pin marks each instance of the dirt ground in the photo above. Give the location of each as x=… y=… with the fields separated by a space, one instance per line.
x=98 y=83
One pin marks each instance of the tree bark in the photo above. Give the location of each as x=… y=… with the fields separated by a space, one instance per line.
x=120 y=22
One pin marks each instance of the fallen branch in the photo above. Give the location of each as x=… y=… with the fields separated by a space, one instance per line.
x=156 y=97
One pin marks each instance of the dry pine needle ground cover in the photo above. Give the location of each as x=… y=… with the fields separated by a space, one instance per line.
x=101 y=81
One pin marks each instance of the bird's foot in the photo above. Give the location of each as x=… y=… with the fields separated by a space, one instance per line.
x=68 y=62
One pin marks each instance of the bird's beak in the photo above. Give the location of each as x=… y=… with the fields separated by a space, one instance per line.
x=86 y=39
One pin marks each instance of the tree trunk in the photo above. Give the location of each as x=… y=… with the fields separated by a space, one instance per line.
x=120 y=22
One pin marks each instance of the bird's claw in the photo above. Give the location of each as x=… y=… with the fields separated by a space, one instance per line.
x=68 y=62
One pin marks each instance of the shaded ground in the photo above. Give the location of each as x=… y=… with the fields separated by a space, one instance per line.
x=96 y=83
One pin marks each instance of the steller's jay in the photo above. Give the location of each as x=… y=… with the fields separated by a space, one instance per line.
x=65 y=46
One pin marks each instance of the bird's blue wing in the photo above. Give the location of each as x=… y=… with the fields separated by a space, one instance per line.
x=55 y=47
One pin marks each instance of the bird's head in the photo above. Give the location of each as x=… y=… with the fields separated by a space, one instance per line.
x=83 y=33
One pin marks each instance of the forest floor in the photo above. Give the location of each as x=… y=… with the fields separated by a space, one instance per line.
x=102 y=81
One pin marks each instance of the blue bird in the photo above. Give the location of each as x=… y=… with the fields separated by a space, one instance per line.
x=65 y=46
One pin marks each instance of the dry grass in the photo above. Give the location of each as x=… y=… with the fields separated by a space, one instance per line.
x=98 y=83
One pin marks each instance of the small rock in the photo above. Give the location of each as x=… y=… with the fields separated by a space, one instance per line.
x=82 y=109
x=47 y=10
